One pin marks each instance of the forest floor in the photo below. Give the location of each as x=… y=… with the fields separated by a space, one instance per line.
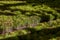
x=23 y=20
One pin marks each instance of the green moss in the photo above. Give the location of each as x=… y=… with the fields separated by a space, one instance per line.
x=26 y=15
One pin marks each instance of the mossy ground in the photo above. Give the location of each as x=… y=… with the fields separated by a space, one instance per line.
x=31 y=20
